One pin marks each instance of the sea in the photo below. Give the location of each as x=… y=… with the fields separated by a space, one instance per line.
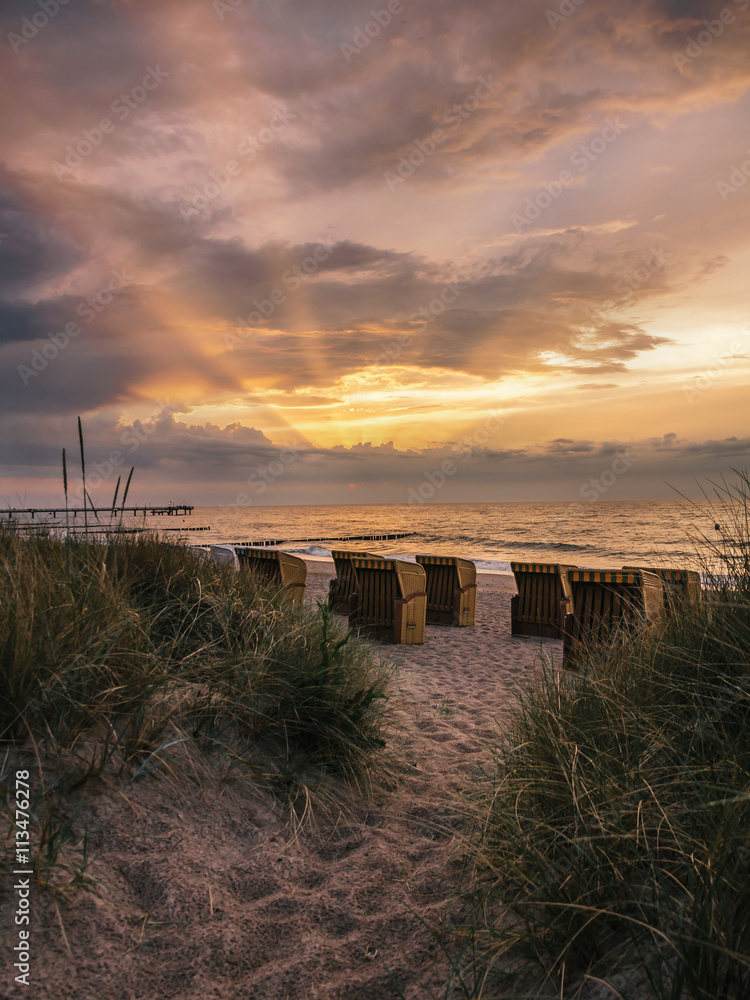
x=606 y=534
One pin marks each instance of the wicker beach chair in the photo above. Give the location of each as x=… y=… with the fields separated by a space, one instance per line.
x=543 y=599
x=607 y=603
x=224 y=555
x=680 y=585
x=451 y=590
x=202 y=552
x=390 y=600
x=275 y=569
x=345 y=584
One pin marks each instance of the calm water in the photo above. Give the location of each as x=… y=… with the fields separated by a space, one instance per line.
x=607 y=534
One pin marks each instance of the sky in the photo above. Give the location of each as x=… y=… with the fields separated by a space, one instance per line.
x=316 y=251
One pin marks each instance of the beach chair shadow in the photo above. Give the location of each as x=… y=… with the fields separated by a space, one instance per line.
x=344 y=585
x=276 y=570
x=609 y=605
x=543 y=599
x=390 y=601
x=451 y=585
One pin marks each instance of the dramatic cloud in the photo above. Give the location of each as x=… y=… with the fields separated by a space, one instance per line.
x=316 y=225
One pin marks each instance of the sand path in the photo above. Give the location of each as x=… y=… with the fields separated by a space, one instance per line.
x=204 y=898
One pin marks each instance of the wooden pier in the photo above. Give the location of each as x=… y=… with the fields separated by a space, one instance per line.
x=176 y=510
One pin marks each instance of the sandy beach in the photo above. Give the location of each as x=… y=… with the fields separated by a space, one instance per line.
x=201 y=894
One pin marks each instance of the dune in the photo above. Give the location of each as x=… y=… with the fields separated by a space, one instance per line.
x=203 y=892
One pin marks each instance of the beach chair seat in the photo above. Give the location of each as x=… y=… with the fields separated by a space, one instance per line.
x=543 y=599
x=345 y=583
x=608 y=603
x=451 y=590
x=390 y=600
x=681 y=586
x=275 y=569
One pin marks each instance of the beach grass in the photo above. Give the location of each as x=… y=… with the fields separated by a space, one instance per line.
x=617 y=824
x=118 y=659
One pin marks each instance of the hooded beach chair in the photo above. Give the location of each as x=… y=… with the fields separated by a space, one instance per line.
x=390 y=599
x=202 y=552
x=345 y=584
x=608 y=603
x=451 y=590
x=543 y=599
x=275 y=569
x=680 y=585
x=224 y=555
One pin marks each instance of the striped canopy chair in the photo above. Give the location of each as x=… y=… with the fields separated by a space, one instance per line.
x=451 y=590
x=390 y=600
x=345 y=584
x=607 y=603
x=680 y=585
x=275 y=569
x=543 y=599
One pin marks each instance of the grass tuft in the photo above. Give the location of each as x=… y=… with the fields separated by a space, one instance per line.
x=118 y=658
x=617 y=829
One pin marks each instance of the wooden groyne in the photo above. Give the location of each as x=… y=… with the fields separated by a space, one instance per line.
x=329 y=538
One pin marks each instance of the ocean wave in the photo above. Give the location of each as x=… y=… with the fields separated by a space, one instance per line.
x=552 y=546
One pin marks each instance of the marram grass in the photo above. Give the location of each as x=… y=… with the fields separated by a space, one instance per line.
x=617 y=825
x=115 y=658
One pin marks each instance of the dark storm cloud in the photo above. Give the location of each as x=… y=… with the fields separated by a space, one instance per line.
x=70 y=381
x=731 y=447
x=32 y=321
x=488 y=325
x=225 y=276
x=361 y=115
x=553 y=304
x=32 y=249
x=165 y=451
